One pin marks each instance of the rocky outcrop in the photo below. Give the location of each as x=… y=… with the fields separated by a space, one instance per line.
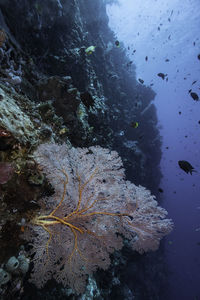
x=54 y=36
x=52 y=90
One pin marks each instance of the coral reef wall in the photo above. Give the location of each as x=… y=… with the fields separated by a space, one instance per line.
x=105 y=97
x=51 y=90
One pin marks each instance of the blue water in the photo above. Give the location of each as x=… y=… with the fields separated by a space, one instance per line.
x=170 y=30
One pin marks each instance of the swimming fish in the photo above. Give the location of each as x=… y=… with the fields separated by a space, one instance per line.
x=194 y=96
x=117 y=43
x=134 y=124
x=186 y=166
x=90 y=50
x=141 y=80
x=162 y=75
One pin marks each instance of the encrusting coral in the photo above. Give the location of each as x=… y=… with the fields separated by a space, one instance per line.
x=92 y=210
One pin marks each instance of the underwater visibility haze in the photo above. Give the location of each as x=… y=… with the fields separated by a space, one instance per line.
x=167 y=32
x=99 y=112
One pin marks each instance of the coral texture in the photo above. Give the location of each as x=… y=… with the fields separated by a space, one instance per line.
x=92 y=210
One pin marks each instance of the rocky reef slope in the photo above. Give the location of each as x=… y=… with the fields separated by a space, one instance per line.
x=52 y=90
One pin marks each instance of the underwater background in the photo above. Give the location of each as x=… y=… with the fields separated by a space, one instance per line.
x=170 y=30
x=116 y=74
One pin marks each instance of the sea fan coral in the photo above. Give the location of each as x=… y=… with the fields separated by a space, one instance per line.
x=92 y=210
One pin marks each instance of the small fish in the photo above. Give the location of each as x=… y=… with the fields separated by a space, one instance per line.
x=90 y=50
x=194 y=96
x=169 y=19
x=186 y=166
x=167 y=147
x=160 y=190
x=141 y=80
x=134 y=124
x=199 y=121
x=162 y=75
x=129 y=63
x=179 y=112
x=166 y=59
x=117 y=43
x=133 y=52
x=198 y=56
x=146 y=58
x=189 y=91
x=194 y=82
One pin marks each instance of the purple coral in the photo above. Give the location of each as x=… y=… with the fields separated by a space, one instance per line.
x=92 y=209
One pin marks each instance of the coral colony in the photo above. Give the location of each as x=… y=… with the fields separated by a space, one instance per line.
x=90 y=213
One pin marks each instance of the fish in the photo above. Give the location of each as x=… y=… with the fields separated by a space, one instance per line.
x=186 y=166
x=160 y=190
x=162 y=75
x=141 y=80
x=129 y=63
x=146 y=58
x=179 y=112
x=117 y=43
x=194 y=96
x=166 y=59
x=134 y=124
x=194 y=82
x=198 y=56
x=90 y=50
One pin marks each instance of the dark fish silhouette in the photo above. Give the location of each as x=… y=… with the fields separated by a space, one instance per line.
x=129 y=63
x=160 y=190
x=194 y=96
x=162 y=75
x=186 y=166
x=141 y=80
